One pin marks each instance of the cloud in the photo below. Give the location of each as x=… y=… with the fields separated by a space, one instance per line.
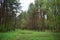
x=25 y=4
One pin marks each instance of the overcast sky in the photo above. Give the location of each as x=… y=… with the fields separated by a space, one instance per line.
x=25 y=4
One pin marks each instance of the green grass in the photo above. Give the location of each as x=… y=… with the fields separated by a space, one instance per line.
x=28 y=35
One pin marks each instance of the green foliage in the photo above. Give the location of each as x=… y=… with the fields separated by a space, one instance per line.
x=8 y=14
x=22 y=20
x=35 y=16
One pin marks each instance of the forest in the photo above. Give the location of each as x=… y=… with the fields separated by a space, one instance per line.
x=40 y=22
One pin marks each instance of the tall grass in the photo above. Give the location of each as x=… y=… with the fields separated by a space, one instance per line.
x=28 y=35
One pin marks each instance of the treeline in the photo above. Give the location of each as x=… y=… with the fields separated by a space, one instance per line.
x=8 y=10
x=43 y=15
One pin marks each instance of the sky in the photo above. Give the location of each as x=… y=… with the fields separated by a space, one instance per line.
x=25 y=4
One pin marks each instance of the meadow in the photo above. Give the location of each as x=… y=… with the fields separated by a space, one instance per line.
x=29 y=35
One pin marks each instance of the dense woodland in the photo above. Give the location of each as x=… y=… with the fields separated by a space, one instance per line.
x=41 y=16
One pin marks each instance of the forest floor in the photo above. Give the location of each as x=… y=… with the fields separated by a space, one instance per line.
x=29 y=35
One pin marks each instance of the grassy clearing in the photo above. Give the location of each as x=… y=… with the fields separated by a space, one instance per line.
x=28 y=35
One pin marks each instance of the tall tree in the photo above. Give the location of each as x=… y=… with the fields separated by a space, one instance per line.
x=8 y=14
